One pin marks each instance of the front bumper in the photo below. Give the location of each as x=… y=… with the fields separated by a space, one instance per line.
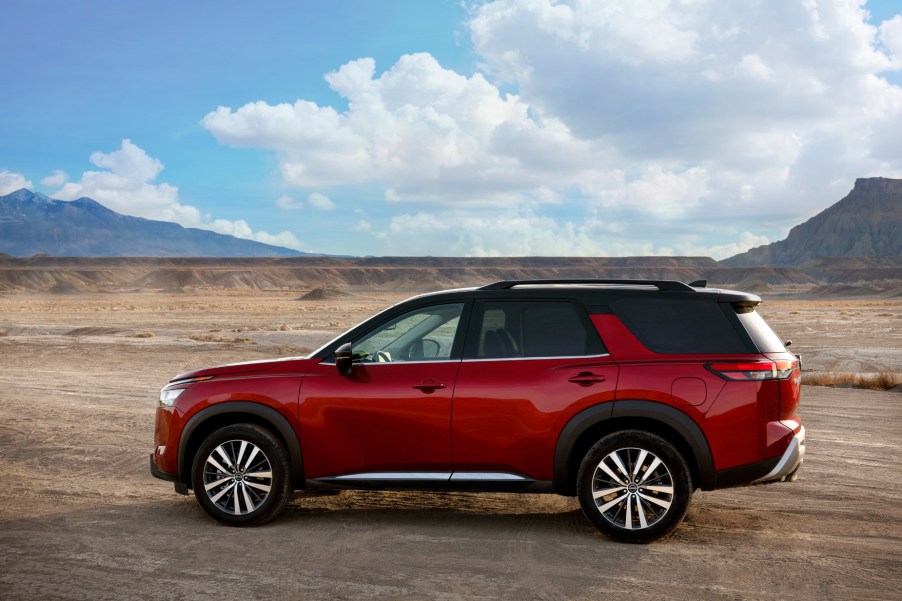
x=789 y=463
x=158 y=473
x=180 y=487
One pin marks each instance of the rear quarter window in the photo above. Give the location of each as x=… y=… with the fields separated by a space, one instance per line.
x=761 y=334
x=681 y=327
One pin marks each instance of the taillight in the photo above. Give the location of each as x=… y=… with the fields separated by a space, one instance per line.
x=753 y=370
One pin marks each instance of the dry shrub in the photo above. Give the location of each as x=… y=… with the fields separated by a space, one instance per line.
x=210 y=338
x=880 y=381
x=143 y=335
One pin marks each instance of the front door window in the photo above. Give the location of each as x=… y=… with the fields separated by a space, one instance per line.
x=425 y=334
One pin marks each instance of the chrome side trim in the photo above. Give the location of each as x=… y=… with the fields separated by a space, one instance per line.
x=448 y=476
x=396 y=476
x=457 y=476
x=790 y=461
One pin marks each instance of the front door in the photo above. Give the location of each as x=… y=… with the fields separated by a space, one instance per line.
x=391 y=418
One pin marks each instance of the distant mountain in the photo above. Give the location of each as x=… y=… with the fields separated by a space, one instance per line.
x=35 y=224
x=866 y=223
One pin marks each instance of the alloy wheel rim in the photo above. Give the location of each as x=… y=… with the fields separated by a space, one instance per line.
x=632 y=488
x=237 y=477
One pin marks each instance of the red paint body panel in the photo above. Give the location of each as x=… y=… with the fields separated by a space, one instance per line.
x=508 y=414
x=166 y=439
x=736 y=417
x=276 y=388
x=375 y=420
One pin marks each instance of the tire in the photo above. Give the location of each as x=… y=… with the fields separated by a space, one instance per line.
x=241 y=475
x=634 y=486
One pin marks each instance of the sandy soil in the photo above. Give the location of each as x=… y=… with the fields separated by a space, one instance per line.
x=81 y=517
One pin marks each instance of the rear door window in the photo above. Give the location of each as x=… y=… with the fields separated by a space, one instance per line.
x=512 y=329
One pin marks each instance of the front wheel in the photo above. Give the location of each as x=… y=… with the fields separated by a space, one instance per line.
x=634 y=486
x=241 y=475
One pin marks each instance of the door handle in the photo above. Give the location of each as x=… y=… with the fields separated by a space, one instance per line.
x=586 y=378
x=428 y=386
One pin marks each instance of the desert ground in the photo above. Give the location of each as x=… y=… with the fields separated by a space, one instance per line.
x=82 y=518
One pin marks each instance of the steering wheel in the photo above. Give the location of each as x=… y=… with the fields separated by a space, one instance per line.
x=383 y=357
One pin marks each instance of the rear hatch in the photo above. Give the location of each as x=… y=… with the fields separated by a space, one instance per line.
x=786 y=370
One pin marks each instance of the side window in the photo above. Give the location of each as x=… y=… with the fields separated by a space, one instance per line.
x=424 y=334
x=535 y=329
x=680 y=326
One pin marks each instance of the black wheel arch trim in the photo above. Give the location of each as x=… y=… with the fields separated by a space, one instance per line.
x=571 y=432
x=270 y=415
x=667 y=415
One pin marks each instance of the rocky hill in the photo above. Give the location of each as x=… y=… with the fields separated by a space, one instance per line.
x=866 y=223
x=147 y=274
x=35 y=224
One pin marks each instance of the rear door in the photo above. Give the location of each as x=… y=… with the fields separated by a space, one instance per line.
x=529 y=365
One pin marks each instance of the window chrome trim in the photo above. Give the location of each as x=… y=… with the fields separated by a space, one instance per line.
x=537 y=358
x=368 y=363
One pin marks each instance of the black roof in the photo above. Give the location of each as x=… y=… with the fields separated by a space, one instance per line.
x=601 y=291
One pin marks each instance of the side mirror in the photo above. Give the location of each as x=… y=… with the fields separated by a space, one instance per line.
x=343 y=359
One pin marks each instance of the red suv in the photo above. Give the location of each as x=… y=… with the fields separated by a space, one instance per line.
x=629 y=394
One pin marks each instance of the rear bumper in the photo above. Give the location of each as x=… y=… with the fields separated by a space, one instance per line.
x=789 y=463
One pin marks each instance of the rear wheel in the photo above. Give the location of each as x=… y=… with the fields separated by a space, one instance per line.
x=241 y=475
x=634 y=486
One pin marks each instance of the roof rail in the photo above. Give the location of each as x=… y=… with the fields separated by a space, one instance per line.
x=665 y=285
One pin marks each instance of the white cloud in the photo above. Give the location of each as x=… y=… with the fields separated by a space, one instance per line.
x=287 y=202
x=55 y=179
x=315 y=200
x=659 y=192
x=687 y=112
x=425 y=133
x=10 y=182
x=241 y=229
x=362 y=225
x=525 y=232
x=745 y=91
x=126 y=186
x=321 y=202
x=891 y=37
x=692 y=246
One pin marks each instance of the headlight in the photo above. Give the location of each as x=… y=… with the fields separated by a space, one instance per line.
x=168 y=396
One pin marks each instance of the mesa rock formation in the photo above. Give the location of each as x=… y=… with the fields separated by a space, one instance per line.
x=866 y=223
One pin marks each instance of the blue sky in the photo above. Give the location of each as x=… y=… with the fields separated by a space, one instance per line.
x=511 y=127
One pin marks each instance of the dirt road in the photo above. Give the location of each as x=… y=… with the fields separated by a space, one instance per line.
x=81 y=517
